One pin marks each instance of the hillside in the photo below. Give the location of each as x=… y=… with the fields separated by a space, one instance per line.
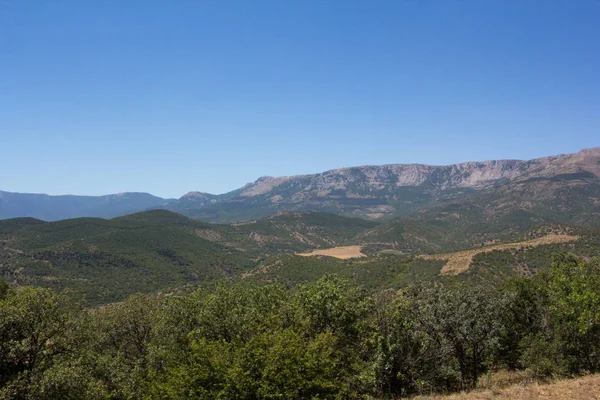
x=565 y=187
x=106 y=260
x=477 y=206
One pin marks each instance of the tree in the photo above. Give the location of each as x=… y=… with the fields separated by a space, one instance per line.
x=525 y=315
x=574 y=299
x=333 y=304
x=4 y=289
x=122 y=349
x=38 y=331
x=405 y=360
x=466 y=320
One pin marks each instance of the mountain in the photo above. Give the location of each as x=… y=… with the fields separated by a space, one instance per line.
x=563 y=188
x=52 y=208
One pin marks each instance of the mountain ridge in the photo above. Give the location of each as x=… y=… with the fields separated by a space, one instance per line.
x=368 y=191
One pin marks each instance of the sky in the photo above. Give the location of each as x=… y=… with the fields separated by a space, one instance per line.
x=168 y=97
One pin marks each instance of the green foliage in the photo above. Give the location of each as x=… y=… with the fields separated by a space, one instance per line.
x=574 y=304
x=542 y=356
x=523 y=319
x=330 y=339
x=467 y=322
x=334 y=305
x=374 y=273
x=4 y=289
x=562 y=312
x=39 y=336
x=252 y=342
x=108 y=260
x=405 y=359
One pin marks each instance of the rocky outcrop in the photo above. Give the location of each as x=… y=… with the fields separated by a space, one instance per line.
x=368 y=181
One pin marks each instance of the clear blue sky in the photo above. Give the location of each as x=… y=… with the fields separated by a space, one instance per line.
x=167 y=97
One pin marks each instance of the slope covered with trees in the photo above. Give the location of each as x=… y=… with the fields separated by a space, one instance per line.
x=329 y=340
x=107 y=260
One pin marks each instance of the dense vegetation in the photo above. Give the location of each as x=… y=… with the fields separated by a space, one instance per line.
x=105 y=261
x=108 y=260
x=331 y=339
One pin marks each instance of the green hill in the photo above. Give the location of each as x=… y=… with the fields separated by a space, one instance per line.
x=107 y=260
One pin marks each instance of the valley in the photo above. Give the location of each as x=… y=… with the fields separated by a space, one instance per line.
x=388 y=263
x=299 y=200
x=161 y=251
x=355 y=283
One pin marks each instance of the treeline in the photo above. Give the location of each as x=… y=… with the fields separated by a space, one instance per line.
x=329 y=340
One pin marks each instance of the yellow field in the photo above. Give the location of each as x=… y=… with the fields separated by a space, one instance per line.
x=342 y=252
x=586 y=388
x=459 y=261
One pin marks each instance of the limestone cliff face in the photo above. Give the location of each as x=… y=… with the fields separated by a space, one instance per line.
x=377 y=181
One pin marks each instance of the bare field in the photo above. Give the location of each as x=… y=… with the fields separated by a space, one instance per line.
x=586 y=388
x=459 y=261
x=341 y=252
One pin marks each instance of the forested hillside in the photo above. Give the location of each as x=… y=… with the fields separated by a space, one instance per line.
x=330 y=340
x=107 y=260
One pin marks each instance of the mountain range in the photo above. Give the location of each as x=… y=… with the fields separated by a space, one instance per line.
x=563 y=188
x=410 y=221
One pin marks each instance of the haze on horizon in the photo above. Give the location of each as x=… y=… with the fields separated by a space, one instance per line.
x=108 y=97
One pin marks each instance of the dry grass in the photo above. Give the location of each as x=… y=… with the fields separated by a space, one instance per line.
x=586 y=388
x=460 y=261
x=342 y=252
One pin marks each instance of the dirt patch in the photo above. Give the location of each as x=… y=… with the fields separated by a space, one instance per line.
x=341 y=252
x=460 y=261
x=258 y=238
x=244 y=223
x=208 y=234
x=586 y=388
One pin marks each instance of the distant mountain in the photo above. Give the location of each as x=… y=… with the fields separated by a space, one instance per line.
x=564 y=188
x=53 y=208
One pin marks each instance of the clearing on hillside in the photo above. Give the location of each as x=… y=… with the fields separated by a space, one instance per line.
x=341 y=252
x=460 y=261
